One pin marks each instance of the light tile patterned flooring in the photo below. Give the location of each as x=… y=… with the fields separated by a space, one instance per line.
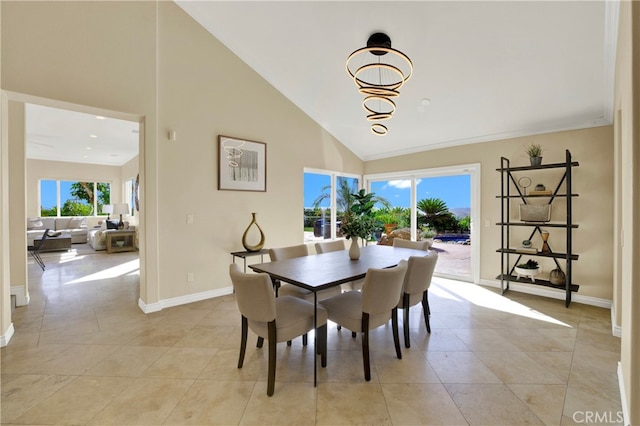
x=84 y=353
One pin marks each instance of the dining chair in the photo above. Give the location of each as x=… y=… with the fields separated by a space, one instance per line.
x=337 y=245
x=361 y=311
x=277 y=319
x=418 y=245
x=34 y=249
x=415 y=288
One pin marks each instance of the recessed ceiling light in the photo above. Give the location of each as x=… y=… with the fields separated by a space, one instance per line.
x=425 y=102
x=135 y=131
x=85 y=156
x=88 y=147
x=114 y=155
x=99 y=117
x=93 y=136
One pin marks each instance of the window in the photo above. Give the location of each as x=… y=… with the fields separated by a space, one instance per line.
x=326 y=197
x=73 y=198
x=436 y=203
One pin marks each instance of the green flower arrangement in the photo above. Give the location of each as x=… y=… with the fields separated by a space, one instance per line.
x=359 y=221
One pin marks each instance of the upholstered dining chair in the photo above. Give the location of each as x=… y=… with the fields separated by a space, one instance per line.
x=277 y=319
x=418 y=245
x=361 y=311
x=34 y=249
x=415 y=288
x=337 y=245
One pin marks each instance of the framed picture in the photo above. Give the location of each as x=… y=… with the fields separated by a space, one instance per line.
x=242 y=164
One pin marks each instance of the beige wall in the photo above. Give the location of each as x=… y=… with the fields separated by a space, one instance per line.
x=592 y=210
x=151 y=60
x=627 y=283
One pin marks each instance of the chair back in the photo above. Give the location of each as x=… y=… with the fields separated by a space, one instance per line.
x=382 y=288
x=419 y=273
x=417 y=245
x=329 y=246
x=254 y=295
x=290 y=252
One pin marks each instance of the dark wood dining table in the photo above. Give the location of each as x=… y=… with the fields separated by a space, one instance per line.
x=321 y=271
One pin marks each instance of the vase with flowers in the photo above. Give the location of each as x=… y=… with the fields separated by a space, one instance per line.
x=358 y=221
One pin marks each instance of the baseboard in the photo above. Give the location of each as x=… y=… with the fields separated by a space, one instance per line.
x=6 y=337
x=551 y=293
x=623 y=397
x=183 y=300
x=22 y=297
x=616 y=330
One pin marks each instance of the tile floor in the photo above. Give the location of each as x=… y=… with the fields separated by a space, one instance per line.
x=83 y=353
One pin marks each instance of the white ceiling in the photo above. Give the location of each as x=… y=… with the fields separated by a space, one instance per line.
x=61 y=135
x=492 y=70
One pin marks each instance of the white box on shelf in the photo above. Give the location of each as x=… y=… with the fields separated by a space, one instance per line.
x=535 y=212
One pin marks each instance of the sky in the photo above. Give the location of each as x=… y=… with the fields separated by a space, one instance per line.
x=455 y=191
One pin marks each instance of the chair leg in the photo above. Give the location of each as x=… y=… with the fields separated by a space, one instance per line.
x=304 y=339
x=288 y=342
x=322 y=342
x=365 y=347
x=271 y=378
x=353 y=334
x=396 y=337
x=426 y=310
x=405 y=304
x=243 y=341
x=259 y=342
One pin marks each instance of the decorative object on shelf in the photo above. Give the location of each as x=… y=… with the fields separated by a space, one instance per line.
x=120 y=243
x=528 y=270
x=526 y=243
x=354 y=249
x=534 y=151
x=242 y=164
x=121 y=208
x=535 y=212
x=379 y=72
x=545 y=245
x=524 y=183
x=260 y=244
x=540 y=187
x=557 y=277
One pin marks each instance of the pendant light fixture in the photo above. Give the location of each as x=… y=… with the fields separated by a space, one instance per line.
x=379 y=71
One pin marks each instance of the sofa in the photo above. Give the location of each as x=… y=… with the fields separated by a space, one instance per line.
x=75 y=226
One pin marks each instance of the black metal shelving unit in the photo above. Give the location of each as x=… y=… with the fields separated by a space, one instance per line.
x=508 y=182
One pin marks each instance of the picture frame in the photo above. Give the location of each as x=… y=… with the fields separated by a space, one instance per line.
x=242 y=164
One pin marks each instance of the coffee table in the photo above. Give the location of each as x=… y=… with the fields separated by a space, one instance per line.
x=61 y=242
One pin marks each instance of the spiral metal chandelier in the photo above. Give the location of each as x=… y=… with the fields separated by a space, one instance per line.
x=379 y=72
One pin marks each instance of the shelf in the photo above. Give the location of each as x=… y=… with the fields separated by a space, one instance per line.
x=562 y=190
x=545 y=224
x=515 y=279
x=536 y=196
x=543 y=166
x=541 y=254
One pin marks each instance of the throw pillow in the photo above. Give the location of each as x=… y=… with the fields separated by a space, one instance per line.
x=77 y=222
x=112 y=224
x=34 y=223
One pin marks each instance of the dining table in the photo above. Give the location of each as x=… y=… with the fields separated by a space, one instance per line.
x=322 y=271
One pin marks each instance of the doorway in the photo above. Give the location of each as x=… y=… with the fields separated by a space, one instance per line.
x=439 y=203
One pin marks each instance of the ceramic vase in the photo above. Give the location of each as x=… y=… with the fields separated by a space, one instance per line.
x=354 y=250
x=260 y=244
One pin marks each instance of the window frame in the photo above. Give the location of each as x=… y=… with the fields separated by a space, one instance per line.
x=96 y=213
